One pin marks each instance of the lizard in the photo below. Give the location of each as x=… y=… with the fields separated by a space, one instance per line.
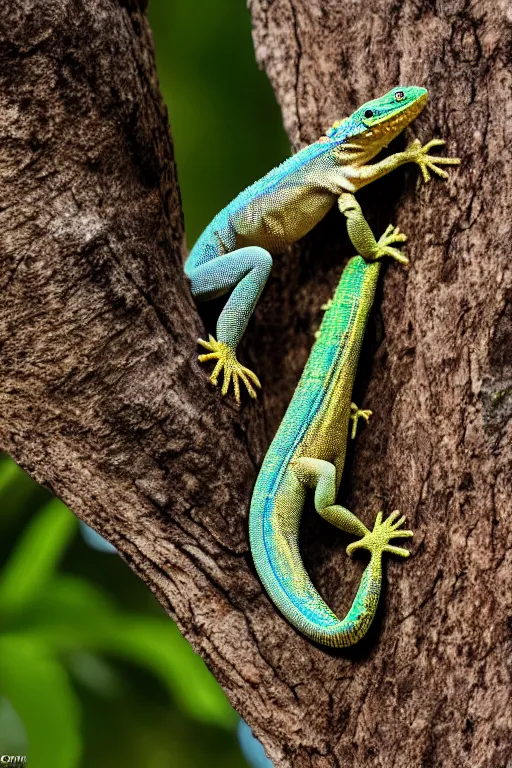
x=309 y=448
x=308 y=451
x=234 y=253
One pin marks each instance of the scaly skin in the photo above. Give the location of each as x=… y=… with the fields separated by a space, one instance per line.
x=308 y=451
x=234 y=252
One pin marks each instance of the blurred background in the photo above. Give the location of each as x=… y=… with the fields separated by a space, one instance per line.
x=92 y=672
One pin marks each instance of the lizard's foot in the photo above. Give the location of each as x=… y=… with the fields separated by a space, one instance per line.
x=232 y=369
x=377 y=541
x=426 y=162
x=385 y=244
x=355 y=415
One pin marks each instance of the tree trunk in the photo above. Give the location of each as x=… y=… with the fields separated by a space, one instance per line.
x=102 y=399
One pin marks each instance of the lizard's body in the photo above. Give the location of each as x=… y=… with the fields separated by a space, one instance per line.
x=234 y=253
x=309 y=449
x=276 y=210
x=315 y=427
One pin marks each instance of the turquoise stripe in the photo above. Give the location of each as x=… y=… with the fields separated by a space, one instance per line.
x=327 y=357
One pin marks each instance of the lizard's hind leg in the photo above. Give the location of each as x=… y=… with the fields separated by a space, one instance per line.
x=321 y=475
x=244 y=272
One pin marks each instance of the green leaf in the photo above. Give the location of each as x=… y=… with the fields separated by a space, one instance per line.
x=9 y=472
x=74 y=604
x=19 y=494
x=38 y=689
x=35 y=557
x=73 y=614
x=13 y=735
x=158 y=645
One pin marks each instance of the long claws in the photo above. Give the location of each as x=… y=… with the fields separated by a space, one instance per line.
x=215 y=373
x=205 y=358
x=232 y=370
x=243 y=374
x=433 y=143
x=210 y=344
x=396 y=550
x=356 y=414
x=385 y=245
x=429 y=163
x=445 y=160
x=393 y=516
x=377 y=541
x=225 y=384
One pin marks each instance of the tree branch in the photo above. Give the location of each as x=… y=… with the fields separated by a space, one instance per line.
x=103 y=401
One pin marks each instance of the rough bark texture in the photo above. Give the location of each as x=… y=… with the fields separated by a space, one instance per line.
x=103 y=401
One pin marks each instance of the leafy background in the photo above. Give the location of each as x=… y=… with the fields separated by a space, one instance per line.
x=92 y=673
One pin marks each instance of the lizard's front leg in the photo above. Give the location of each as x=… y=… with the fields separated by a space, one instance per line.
x=362 y=237
x=360 y=176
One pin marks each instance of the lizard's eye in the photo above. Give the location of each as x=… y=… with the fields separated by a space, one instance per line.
x=368 y=113
x=399 y=95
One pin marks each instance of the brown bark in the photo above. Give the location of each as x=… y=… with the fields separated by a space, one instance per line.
x=103 y=401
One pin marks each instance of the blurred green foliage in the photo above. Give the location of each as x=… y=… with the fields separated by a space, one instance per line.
x=92 y=673
x=224 y=119
x=91 y=670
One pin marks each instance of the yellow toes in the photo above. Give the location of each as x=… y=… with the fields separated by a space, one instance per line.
x=211 y=344
x=391 y=236
x=401 y=551
x=355 y=415
x=228 y=365
x=377 y=541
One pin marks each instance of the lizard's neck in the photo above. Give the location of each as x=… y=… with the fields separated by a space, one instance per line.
x=357 y=153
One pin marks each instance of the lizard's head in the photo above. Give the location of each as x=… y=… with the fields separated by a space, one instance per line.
x=378 y=122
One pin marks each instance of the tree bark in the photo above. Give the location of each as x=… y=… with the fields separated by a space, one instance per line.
x=102 y=399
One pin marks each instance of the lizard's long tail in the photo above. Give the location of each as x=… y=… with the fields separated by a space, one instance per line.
x=303 y=606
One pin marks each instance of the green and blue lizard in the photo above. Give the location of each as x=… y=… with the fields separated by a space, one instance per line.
x=308 y=451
